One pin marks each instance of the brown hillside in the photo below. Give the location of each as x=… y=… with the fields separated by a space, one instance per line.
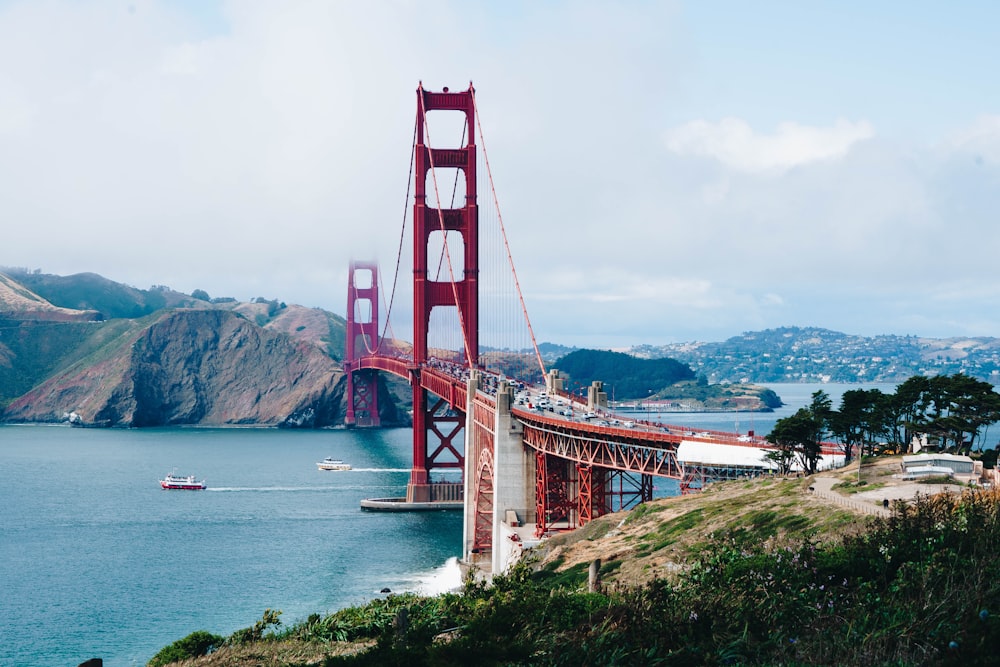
x=20 y=303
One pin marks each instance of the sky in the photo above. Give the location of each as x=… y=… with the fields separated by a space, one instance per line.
x=666 y=171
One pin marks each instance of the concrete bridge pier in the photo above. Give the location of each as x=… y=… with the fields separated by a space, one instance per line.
x=471 y=458
x=513 y=483
x=510 y=488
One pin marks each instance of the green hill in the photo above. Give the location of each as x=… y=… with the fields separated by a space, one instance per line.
x=625 y=376
x=89 y=291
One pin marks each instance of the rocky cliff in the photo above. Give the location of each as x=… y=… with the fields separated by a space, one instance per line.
x=194 y=367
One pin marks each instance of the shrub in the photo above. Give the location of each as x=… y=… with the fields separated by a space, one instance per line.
x=256 y=633
x=196 y=644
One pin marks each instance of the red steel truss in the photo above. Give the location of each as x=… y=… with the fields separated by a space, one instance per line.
x=583 y=472
x=593 y=499
x=585 y=497
x=625 y=490
x=482 y=539
x=616 y=449
x=555 y=494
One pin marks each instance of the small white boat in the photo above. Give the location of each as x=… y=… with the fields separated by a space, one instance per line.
x=184 y=483
x=333 y=464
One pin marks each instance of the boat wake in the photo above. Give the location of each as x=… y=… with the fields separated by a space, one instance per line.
x=378 y=470
x=293 y=489
x=231 y=489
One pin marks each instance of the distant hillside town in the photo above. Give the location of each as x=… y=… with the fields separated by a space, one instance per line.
x=808 y=354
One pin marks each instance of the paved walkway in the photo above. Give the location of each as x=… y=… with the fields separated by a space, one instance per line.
x=822 y=488
x=872 y=502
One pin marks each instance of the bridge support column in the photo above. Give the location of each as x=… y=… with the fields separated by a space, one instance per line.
x=513 y=482
x=553 y=383
x=473 y=448
x=362 y=399
x=597 y=398
x=435 y=425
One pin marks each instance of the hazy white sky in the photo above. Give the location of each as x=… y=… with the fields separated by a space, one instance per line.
x=667 y=171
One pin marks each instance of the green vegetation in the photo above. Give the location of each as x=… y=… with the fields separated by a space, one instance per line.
x=42 y=349
x=336 y=339
x=800 y=435
x=34 y=351
x=89 y=291
x=628 y=376
x=196 y=644
x=915 y=588
x=852 y=486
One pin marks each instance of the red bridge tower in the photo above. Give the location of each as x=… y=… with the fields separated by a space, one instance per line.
x=435 y=427
x=361 y=396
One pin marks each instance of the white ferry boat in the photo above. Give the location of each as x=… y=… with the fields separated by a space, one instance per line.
x=185 y=483
x=333 y=464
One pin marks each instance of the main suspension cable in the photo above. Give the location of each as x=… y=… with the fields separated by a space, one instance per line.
x=399 y=253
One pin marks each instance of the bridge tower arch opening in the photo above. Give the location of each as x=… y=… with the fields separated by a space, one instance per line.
x=362 y=338
x=437 y=429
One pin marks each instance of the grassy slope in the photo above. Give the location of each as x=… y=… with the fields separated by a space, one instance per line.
x=655 y=539
x=40 y=350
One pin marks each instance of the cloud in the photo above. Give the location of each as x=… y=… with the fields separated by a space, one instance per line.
x=258 y=153
x=981 y=138
x=733 y=142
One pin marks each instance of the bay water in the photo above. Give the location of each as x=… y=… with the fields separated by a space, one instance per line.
x=793 y=395
x=97 y=561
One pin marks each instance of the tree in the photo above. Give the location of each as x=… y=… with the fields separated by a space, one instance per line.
x=861 y=420
x=907 y=408
x=952 y=410
x=201 y=295
x=800 y=435
x=964 y=407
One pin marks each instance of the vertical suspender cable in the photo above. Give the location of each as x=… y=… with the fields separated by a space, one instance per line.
x=503 y=232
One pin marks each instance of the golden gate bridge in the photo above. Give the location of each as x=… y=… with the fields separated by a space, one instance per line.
x=478 y=444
